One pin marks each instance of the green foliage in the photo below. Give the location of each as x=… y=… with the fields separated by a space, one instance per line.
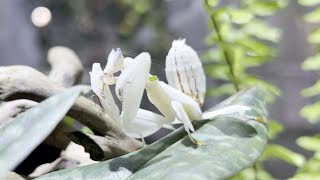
x=311 y=111
x=313 y=16
x=20 y=137
x=274 y=151
x=253 y=173
x=309 y=143
x=311 y=169
x=275 y=128
x=309 y=2
x=314 y=37
x=232 y=143
x=240 y=40
x=312 y=63
x=138 y=11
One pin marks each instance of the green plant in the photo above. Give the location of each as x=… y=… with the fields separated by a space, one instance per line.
x=311 y=169
x=240 y=39
x=237 y=122
x=311 y=111
x=174 y=156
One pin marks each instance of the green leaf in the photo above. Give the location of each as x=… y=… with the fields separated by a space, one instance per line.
x=213 y=3
x=311 y=170
x=309 y=2
x=213 y=55
x=240 y=16
x=311 y=112
x=218 y=71
x=262 y=31
x=275 y=128
x=266 y=7
x=224 y=89
x=309 y=143
x=255 y=48
x=229 y=34
x=256 y=172
x=20 y=137
x=314 y=37
x=68 y=121
x=313 y=17
x=305 y=176
x=232 y=142
x=311 y=91
x=311 y=63
x=275 y=151
x=273 y=90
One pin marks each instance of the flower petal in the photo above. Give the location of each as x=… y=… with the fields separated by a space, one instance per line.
x=184 y=71
x=130 y=86
x=144 y=124
x=103 y=92
x=226 y=110
x=115 y=62
x=161 y=95
x=190 y=106
x=96 y=79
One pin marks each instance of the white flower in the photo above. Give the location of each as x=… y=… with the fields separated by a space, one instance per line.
x=115 y=62
x=181 y=100
x=129 y=88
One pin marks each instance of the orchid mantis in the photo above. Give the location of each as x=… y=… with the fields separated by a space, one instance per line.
x=178 y=101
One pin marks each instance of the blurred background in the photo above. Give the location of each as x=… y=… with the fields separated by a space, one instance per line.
x=92 y=28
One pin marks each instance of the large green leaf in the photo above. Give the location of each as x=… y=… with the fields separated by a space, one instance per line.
x=232 y=142
x=20 y=137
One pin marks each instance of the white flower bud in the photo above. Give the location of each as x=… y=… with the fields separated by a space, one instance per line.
x=115 y=62
x=184 y=71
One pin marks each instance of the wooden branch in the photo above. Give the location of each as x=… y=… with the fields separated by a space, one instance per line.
x=18 y=82
x=9 y=110
x=66 y=67
x=12 y=176
x=101 y=148
x=66 y=70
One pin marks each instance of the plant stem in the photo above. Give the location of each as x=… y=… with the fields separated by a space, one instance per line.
x=225 y=52
x=255 y=167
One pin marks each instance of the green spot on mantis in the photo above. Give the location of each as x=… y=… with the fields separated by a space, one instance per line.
x=153 y=78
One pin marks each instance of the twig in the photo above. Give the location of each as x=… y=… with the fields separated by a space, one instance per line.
x=66 y=67
x=99 y=147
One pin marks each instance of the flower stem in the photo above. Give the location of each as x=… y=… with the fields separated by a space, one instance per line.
x=225 y=52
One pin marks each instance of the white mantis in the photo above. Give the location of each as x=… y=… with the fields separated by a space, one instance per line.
x=180 y=101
